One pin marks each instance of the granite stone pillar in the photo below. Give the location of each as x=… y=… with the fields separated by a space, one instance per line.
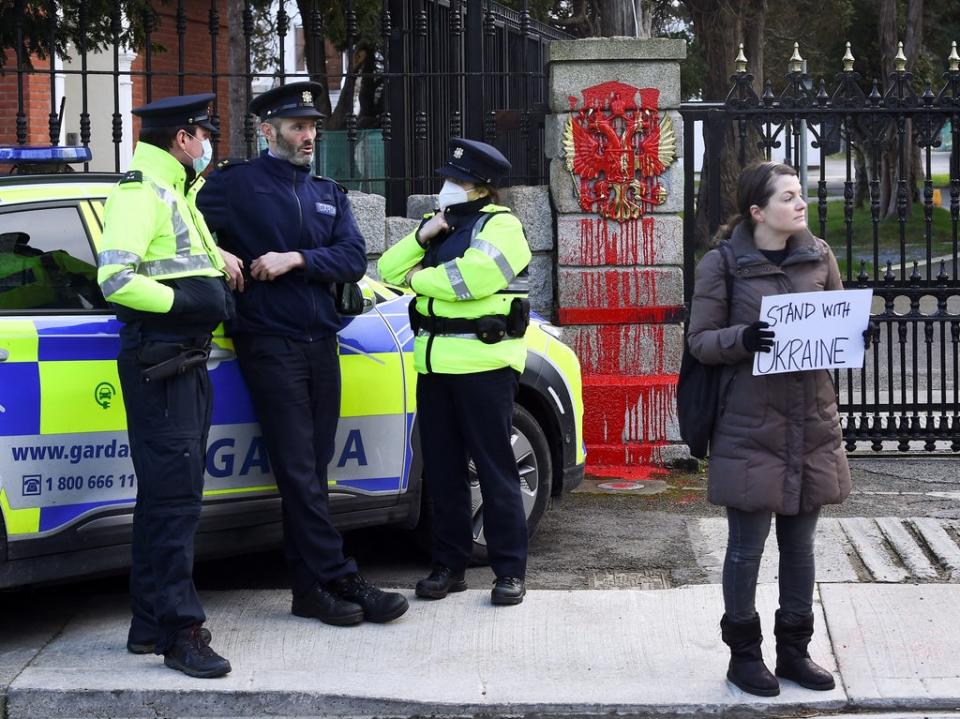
x=614 y=137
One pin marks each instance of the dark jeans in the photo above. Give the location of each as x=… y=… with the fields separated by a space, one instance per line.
x=167 y=423
x=295 y=388
x=470 y=416
x=747 y=533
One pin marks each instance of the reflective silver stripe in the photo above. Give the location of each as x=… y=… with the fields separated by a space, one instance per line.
x=456 y=281
x=520 y=284
x=493 y=252
x=114 y=283
x=424 y=333
x=180 y=230
x=174 y=265
x=118 y=257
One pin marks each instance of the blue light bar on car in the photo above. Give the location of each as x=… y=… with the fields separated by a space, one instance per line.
x=22 y=153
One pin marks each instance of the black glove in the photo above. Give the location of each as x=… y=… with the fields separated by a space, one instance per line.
x=757 y=338
x=868 y=334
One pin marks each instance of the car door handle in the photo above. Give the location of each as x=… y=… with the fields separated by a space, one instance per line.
x=4 y=354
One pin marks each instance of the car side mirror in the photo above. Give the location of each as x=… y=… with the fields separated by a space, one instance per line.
x=369 y=297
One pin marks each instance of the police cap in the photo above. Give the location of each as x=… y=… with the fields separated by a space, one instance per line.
x=474 y=161
x=293 y=100
x=177 y=111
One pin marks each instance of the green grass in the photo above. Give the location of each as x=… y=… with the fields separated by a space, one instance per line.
x=889 y=237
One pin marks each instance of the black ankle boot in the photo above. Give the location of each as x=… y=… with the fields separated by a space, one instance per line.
x=747 y=670
x=793 y=662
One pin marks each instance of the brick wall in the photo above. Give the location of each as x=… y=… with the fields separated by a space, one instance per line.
x=197 y=58
x=36 y=94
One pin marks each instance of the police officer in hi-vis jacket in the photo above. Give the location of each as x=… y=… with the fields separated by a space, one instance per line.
x=162 y=269
x=467 y=263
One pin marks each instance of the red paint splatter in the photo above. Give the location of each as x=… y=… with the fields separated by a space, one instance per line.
x=620 y=349
x=608 y=242
x=635 y=287
x=620 y=409
x=667 y=314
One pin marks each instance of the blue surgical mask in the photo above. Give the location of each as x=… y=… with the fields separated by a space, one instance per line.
x=200 y=163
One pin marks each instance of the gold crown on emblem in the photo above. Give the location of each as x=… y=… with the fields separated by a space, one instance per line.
x=458 y=153
x=307 y=97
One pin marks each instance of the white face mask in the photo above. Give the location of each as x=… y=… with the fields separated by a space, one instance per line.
x=451 y=194
x=200 y=163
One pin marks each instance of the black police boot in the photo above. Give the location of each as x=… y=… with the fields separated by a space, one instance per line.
x=793 y=662
x=378 y=606
x=747 y=670
x=320 y=604
x=507 y=590
x=441 y=581
x=149 y=647
x=192 y=655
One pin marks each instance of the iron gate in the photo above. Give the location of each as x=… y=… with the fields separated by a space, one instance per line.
x=907 y=396
x=447 y=67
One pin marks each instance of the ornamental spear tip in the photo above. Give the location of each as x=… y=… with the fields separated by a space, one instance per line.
x=900 y=59
x=796 y=62
x=848 y=60
x=741 y=61
x=954 y=58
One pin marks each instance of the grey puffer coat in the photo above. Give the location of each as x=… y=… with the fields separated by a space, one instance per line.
x=777 y=442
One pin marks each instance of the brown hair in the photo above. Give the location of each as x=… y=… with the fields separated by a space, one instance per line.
x=755 y=187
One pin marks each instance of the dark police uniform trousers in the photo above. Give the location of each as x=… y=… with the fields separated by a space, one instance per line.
x=471 y=415
x=168 y=422
x=295 y=386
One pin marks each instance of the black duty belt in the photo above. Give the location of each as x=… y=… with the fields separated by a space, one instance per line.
x=489 y=329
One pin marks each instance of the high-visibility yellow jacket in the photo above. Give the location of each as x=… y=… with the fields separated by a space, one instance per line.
x=152 y=231
x=483 y=279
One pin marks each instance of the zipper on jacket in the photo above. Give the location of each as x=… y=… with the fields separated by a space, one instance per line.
x=726 y=393
x=306 y=281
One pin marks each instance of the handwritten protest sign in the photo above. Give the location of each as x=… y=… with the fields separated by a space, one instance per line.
x=814 y=330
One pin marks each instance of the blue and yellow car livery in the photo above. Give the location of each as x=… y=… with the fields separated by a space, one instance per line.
x=67 y=484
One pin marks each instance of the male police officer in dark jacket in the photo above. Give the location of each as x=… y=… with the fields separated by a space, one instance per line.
x=297 y=235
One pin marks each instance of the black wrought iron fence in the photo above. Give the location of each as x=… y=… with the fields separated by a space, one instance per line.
x=444 y=68
x=907 y=395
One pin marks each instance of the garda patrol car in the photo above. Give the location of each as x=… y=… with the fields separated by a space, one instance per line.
x=67 y=483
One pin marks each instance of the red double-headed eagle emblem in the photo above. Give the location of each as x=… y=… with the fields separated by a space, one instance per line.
x=616 y=147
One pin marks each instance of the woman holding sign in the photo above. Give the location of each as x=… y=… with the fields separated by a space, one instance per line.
x=776 y=446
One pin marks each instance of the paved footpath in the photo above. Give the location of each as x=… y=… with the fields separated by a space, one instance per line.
x=894 y=648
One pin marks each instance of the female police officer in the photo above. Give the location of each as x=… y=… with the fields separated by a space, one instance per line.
x=467 y=264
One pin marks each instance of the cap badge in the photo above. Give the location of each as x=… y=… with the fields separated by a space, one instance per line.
x=307 y=97
x=458 y=153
